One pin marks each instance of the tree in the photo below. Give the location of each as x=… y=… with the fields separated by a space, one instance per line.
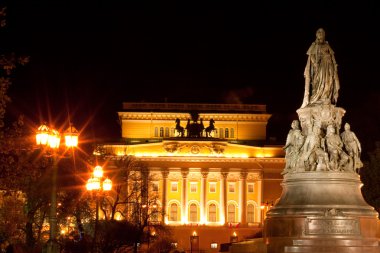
x=132 y=205
x=370 y=176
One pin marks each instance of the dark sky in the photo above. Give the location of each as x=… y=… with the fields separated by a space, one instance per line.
x=86 y=58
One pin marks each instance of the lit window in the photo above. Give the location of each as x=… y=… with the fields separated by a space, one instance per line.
x=221 y=133
x=172 y=131
x=212 y=187
x=193 y=213
x=214 y=245
x=193 y=187
x=232 y=133
x=231 y=213
x=161 y=132
x=174 y=186
x=174 y=245
x=250 y=213
x=173 y=212
x=155 y=186
x=226 y=133
x=156 y=132
x=250 y=188
x=212 y=213
x=166 y=131
x=231 y=187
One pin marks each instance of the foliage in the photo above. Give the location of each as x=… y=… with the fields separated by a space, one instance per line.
x=131 y=206
x=22 y=172
x=370 y=176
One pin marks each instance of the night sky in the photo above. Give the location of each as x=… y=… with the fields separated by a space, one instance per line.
x=86 y=58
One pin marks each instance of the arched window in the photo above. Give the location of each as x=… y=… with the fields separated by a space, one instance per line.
x=161 y=132
x=193 y=213
x=166 y=131
x=172 y=132
x=226 y=134
x=156 y=132
x=232 y=133
x=212 y=213
x=250 y=213
x=231 y=213
x=221 y=133
x=173 y=212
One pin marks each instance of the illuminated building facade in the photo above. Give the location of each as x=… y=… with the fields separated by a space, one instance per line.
x=208 y=164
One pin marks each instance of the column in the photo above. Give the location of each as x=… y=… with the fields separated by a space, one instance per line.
x=260 y=197
x=203 y=208
x=223 y=197
x=165 y=174
x=243 y=197
x=185 y=173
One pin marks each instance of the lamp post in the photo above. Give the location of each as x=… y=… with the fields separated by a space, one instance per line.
x=194 y=242
x=234 y=237
x=264 y=209
x=50 y=138
x=98 y=184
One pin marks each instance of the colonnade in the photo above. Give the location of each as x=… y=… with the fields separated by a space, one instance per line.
x=223 y=201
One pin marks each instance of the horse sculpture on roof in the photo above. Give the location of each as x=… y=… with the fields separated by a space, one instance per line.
x=210 y=128
x=180 y=130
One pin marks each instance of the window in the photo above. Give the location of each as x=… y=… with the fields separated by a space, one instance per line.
x=226 y=133
x=231 y=213
x=212 y=187
x=172 y=132
x=174 y=187
x=212 y=213
x=232 y=133
x=221 y=133
x=156 y=132
x=155 y=186
x=250 y=188
x=193 y=186
x=214 y=245
x=250 y=213
x=193 y=213
x=173 y=212
x=231 y=187
x=166 y=131
x=161 y=132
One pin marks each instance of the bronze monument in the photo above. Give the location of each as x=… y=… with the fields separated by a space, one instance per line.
x=321 y=208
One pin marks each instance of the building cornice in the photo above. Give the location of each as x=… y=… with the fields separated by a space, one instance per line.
x=185 y=116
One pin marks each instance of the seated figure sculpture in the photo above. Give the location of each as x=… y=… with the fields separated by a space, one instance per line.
x=313 y=150
x=337 y=157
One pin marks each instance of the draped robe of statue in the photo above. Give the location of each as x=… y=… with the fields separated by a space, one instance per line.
x=321 y=77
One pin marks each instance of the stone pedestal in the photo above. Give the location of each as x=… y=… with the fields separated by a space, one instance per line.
x=321 y=212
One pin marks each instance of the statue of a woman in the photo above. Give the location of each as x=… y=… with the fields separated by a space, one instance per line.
x=321 y=74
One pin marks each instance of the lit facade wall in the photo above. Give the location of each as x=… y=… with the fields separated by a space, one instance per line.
x=205 y=183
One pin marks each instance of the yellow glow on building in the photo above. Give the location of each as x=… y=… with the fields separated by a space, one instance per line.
x=218 y=182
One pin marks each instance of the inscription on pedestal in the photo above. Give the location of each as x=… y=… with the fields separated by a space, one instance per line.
x=332 y=226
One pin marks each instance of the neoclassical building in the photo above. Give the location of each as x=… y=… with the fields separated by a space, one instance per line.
x=208 y=164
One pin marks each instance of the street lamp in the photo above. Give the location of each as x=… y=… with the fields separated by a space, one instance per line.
x=98 y=184
x=51 y=138
x=194 y=242
x=264 y=209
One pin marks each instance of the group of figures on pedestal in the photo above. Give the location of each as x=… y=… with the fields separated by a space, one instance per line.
x=318 y=146
x=321 y=150
x=194 y=129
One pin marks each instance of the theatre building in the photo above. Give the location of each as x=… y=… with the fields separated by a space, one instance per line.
x=209 y=164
